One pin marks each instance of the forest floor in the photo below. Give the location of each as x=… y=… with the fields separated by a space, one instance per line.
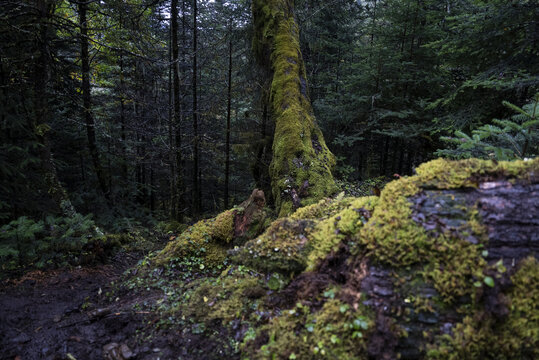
x=69 y=314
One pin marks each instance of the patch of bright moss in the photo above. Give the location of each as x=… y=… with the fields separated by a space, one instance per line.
x=323 y=209
x=195 y=241
x=223 y=226
x=282 y=247
x=327 y=234
x=233 y=295
x=334 y=332
x=480 y=336
x=448 y=174
x=292 y=244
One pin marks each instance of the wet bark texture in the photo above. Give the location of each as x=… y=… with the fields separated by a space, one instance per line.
x=510 y=214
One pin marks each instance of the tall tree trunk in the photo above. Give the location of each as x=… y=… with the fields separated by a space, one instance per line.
x=196 y=184
x=171 y=139
x=301 y=166
x=55 y=189
x=123 y=134
x=373 y=24
x=228 y=113
x=122 y=121
x=177 y=198
x=260 y=168
x=86 y=99
x=385 y=152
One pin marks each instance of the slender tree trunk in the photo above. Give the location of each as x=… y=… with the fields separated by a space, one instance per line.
x=123 y=134
x=228 y=113
x=152 y=190
x=385 y=151
x=122 y=121
x=86 y=99
x=171 y=140
x=373 y=25
x=396 y=146
x=402 y=150
x=177 y=198
x=40 y=122
x=196 y=184
x=263 y=158
x=410 y=160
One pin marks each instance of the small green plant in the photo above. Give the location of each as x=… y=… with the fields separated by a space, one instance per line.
x=55 y=241
x=505 y=139
x=18 y=241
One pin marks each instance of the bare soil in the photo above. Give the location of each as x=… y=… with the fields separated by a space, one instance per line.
x=65 y=314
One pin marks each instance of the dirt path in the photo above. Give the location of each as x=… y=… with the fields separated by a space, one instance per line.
x=65 y=314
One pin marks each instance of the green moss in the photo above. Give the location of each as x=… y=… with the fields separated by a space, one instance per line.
x=292 y=244
x=300 y=155
x=328 y=234
x=391 y=235
x=448 y=174
x=481 y=336
x=282 y=247
x=323 y=209
x=334 y=332
x=195 y=241
x=451 y=263
x=233 y=295
x=223 y=226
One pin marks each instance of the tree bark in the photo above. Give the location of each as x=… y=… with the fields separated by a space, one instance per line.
x=41 y=78
x=196 y=184
x=86 y=99
x=177 y=198
x=228 y=113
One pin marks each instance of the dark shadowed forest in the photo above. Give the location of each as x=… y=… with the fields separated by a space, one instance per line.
x=206 y=179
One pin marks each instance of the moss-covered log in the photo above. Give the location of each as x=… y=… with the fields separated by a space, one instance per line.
x=301 y=165
x=443 y=265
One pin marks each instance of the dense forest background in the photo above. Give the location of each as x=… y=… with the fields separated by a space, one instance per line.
x=139 y=111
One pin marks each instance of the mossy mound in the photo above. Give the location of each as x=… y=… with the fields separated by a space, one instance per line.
x=290 y=245
x=412 y=274
x=234 y=295
x=417 y=278
x=210 y=239
x=207 y=239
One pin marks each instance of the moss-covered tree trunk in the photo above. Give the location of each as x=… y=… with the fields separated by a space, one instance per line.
x=301 y=167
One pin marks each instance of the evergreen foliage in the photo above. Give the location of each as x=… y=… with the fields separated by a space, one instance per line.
x=505 y=139
x=51 y=242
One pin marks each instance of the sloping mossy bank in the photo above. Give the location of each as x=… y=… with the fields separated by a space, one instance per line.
x=414 y=274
